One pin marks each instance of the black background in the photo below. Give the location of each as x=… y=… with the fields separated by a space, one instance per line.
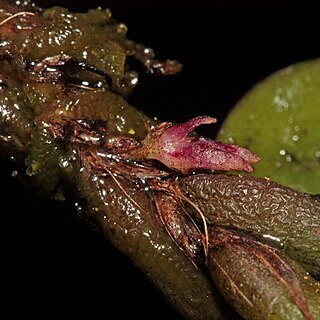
x=52 y=264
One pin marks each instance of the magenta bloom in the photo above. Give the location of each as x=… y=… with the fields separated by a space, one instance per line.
x=171 y=145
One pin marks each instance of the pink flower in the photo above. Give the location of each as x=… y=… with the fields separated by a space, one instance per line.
x=171 y=145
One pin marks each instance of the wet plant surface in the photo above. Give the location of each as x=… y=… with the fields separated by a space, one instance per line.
x=77 y=269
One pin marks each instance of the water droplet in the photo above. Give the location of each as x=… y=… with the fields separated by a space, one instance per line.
x=272 y=238
x=85 y=83
x=14 y=173
x=295 y=138
x=148 y=52
x=231 y=140
x=122 y=28
x=108 y=13
x=134 y=81
x=65 y=161
x=290 y=119
x=280 y=103
x=282 y=152
x=64 y=164
x=288 y=158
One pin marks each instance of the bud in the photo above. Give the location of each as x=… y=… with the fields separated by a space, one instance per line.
x=258 y=280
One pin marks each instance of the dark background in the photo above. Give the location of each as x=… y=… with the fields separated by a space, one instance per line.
x=52 y=264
